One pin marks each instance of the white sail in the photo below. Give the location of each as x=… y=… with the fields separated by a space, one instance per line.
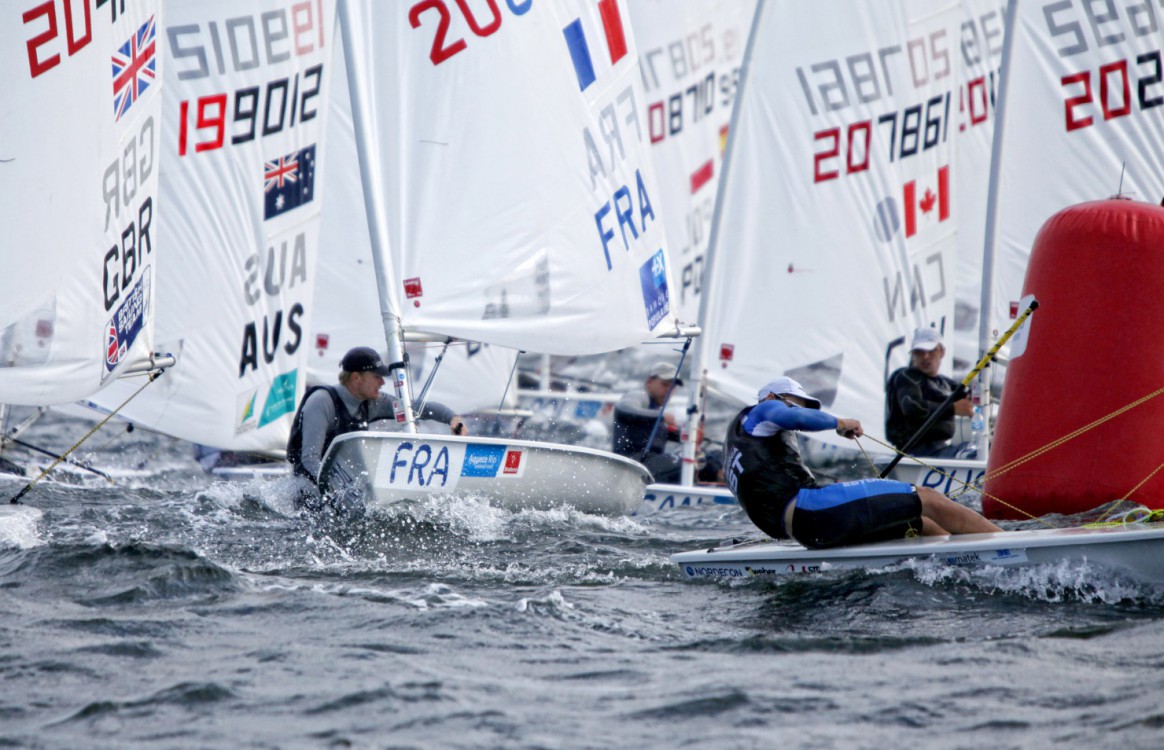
x=690 y=52
x=79 y=153
x=246 y=99
x=1078 y=102
x=472 y=376
x=980 y=44
x=510 y=155
x=835 y=232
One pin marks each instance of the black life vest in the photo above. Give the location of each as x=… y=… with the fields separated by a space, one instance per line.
x=900 y=427
x=343 y=423
x=764 y=473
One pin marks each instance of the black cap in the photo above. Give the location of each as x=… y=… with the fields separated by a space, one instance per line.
x=364 y=359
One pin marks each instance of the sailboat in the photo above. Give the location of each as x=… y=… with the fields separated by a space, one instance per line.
x=471 y=377
x=839 y=215
x=691 y=53
x=77 y=296
x=505 y=163
x=1031 y=60
x=1078 y=123
x=241 y=137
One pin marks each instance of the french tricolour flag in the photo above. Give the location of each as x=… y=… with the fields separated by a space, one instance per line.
x=927 y=201
x=579 y=47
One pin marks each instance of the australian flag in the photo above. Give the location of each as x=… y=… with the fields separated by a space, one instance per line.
x=134 y=67
x=289 y=181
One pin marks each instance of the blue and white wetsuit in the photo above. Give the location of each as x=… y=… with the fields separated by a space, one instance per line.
x=765 y=472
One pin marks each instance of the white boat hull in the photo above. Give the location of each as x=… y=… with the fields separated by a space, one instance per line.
x=1138 y=550
x=370 y=468
x=946 y=475
x=666 y=497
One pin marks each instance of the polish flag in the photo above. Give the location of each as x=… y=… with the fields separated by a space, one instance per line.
x=931 y=201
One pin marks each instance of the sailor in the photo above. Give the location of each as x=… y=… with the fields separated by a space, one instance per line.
x=914 y=393
x=765 y=472
x=327 y=411
x=635 y=416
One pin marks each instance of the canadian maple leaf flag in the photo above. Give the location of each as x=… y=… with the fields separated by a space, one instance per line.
x=922 y=198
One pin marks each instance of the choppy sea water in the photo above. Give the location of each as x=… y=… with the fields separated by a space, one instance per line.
x=168 y=610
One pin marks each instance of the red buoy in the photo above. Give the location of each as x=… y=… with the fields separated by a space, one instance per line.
x=1095 y=346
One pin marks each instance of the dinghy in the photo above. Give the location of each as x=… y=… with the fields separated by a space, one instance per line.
x=1137 y=550
x=509 y=193
x=80 y=208
x=821 y=260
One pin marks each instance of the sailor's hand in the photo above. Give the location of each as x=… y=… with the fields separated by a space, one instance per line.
x=457 y=427
x=850 y=428
x=963 y=407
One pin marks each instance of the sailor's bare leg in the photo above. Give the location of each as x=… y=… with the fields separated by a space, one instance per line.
x=941 y=515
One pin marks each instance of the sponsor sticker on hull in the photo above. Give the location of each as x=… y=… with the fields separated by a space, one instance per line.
x=493 y=461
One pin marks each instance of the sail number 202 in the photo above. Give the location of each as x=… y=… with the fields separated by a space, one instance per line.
x=442 y=47
x=1114 y=97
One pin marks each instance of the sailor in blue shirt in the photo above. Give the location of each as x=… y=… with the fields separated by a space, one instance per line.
x=765 y=472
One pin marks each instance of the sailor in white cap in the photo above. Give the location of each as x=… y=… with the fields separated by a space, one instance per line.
x=764 y=470
x=634 y=418
x=914 y=393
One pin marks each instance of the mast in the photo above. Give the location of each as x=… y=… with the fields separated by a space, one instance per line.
x=378 y=232
x=986 y=302
x=698 y=366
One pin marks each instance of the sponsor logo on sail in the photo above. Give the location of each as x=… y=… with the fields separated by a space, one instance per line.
x=656 y=298
x=278 y=402
x=280 y=398
x=127 y=322
x=245 y=408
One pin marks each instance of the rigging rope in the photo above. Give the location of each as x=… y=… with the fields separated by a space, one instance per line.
x=965 y=485
x=980 y=485
x=151 y=377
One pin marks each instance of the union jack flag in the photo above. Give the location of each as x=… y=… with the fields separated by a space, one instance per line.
x=134 y=67
x=280 y=171
x=113 y=347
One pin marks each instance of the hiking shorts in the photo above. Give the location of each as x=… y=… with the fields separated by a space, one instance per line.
x=868 y=510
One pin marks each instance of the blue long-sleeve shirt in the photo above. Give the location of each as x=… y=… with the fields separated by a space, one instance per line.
x=767 y=417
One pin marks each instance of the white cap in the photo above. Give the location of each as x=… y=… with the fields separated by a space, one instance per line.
x=666 y=371
x=926 y=339
x=787 y=387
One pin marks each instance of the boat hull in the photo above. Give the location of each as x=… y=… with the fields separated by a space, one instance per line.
x=1138 y=550
x=660 y=498
x=365 y=469
x=948 y=476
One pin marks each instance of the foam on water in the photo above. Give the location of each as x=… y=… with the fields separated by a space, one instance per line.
x=1066 y=580
x=19 y=526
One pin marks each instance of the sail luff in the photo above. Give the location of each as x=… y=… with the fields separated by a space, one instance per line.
x=986 y=304
x=699 y=358
x=374 y=201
